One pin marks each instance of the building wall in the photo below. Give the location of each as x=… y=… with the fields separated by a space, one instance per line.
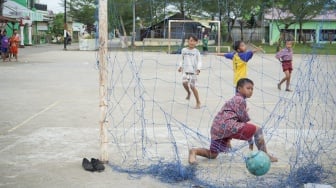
x=316 y=28
x=21 y=2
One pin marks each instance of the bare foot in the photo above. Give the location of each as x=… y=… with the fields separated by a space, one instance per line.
x=188 y=96
x=192 y=157
x=273 y=159
x=198 y=106
x=279 y=86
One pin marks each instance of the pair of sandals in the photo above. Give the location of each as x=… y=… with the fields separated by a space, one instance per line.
x=95 y=165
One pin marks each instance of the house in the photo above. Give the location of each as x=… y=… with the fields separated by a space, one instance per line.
x=32 y=18
x=321 y=28
x=178 y=30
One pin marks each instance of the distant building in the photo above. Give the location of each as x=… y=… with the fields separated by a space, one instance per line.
x=33 y=20
x=178 y=30
x=321 y=28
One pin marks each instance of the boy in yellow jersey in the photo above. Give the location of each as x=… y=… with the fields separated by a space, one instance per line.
x=239 y=60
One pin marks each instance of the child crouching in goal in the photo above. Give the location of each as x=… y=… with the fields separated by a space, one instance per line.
x=232 y=121
x=190 y=66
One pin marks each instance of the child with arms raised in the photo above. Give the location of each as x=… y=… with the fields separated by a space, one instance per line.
x=239 y=60
x=232 y=121
x=190 y=66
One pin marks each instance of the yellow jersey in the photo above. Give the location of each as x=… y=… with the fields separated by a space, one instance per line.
x=239 y=68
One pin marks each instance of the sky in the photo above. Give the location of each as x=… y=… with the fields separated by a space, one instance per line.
x=53 y=5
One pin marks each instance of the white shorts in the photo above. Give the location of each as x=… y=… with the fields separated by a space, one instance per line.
x=191 y=78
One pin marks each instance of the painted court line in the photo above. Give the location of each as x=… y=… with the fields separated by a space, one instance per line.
x=33 y=116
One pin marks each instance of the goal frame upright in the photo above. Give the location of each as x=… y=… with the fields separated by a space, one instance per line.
x=193 y=21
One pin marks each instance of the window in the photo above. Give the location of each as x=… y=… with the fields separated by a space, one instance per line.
x=327 y=35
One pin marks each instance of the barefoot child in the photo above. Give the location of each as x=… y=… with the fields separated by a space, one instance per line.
x=4 y=45
x=14 y=44
x=232 y=121
x=285 y=56
x=190 y=65
x=239 y=60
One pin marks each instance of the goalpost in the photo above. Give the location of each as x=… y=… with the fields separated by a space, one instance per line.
x=102 y=54
x=193 y=21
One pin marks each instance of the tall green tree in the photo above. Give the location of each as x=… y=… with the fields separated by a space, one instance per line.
x=187 y=7
x=83 y=11
x=58 y=24
x=120 y=16
x=304 y=10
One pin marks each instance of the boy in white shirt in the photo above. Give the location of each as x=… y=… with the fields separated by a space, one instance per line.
x=190 y=65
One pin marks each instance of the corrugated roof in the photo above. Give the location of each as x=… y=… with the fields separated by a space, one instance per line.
x=276 y=14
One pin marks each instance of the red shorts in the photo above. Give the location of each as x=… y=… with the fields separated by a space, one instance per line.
x=223 y=145
x=14 y=50
x=287 y=66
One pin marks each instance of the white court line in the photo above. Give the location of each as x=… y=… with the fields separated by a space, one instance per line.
x=33 y=116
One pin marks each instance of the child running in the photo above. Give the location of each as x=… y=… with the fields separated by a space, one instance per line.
x=239 y=60
x=285 y=56
x=191 y=65
x=232 y=121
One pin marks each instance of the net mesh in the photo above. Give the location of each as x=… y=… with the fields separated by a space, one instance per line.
x=152 y=126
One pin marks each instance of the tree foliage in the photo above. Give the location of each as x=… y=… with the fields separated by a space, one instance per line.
x=230 y=12
x=58 y=24
x=304 y=10
x=83 y=11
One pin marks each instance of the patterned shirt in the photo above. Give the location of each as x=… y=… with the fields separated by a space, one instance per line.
x=285 y=54
x=239 y=61
x=230 y=119
x=191 y=60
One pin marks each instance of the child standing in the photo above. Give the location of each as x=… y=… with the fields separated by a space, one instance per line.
x=285 y=56
x=4 y=45
x=239 y=60
x=14 y=44
x=232 y=121
x=205 y=42
x=191 y=65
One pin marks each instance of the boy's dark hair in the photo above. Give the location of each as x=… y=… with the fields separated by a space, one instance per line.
x=193 y=37
x=241 y=82
x=236 y=45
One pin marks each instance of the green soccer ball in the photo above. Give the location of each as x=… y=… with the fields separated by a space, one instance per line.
x=258 y=163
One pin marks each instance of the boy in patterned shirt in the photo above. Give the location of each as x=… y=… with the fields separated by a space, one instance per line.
x=232 y=121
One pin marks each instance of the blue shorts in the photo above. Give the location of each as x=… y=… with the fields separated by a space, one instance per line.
x=4 y=50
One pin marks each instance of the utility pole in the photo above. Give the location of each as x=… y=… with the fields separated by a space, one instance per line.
x=133 y=32
x=65 y=25
x=102 y=54
x=1 y=7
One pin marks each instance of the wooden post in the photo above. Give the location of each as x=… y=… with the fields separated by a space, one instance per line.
x=169 y=35
x=103 y=40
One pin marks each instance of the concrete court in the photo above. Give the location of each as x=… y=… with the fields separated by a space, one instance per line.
x=49 y=121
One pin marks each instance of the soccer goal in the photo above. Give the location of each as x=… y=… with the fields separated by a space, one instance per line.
x=170 y=22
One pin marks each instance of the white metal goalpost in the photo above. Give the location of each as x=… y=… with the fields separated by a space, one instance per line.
x=193 y=21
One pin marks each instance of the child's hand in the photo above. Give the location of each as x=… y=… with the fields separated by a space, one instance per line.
x=180 y=69
x=198 y=72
